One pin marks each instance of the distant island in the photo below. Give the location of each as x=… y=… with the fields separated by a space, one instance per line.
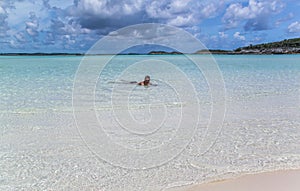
x=287 y=46
x=41 y=54
x=214 y=51
x=163 y=52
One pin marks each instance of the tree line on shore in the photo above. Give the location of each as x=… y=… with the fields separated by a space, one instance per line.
x=287 y=46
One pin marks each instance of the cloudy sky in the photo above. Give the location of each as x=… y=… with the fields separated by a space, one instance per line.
x=75 y=25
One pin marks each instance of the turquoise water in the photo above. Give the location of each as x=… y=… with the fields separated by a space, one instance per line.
x=46 y=82
x=36 y=82
x=41 y=147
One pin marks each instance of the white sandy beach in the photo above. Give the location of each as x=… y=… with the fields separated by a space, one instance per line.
x=270 y=181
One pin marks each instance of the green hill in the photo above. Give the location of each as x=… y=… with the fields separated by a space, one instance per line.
x=280 y=47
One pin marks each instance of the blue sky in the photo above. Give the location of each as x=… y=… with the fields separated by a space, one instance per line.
x=75 y=25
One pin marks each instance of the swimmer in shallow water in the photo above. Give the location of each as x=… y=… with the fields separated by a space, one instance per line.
x=146 y=81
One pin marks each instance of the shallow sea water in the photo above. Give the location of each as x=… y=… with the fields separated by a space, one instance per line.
x=42 y=147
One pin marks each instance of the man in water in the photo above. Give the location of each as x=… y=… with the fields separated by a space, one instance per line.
x=146 y=81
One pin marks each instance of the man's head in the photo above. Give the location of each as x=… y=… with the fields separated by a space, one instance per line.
x=147 y=80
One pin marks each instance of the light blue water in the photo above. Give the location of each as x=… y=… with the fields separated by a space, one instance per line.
x=36 y=82
x=41 y=148
x=46 y=82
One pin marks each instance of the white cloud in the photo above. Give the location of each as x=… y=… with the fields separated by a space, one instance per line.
x=238 y=36
x=76 y=23
x=19 y=13
x=20 y=37
x=95 y=14
x=3 y=21
x=181 y=21
x=13 y=44
x=294 y=27
x=32 y=25
x=2 y=11
x=183 y=13
x=223 y=35
x=59 y=3
x=158 y=9
x=176 y=13
x=236 y=12
x=256 y=14
x=210 y=10
x=106 y=8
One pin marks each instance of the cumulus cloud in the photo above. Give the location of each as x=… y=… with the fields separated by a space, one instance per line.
x=211 y=9
x=66 y=33
x=256 y=14
x=106 y=8
x=294 y=27
x=107 y=15
x=176 y=13
x=77 y=24
x=74 y=23
x=49 y=39
x=2 y=11
x=30 y=32
x=20 y=36
x=32 y=25
x=37 y=29
x=257 y=24
x=3 y=21
x=238 y=36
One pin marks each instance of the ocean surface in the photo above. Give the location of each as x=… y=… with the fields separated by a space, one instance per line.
x=80 y=123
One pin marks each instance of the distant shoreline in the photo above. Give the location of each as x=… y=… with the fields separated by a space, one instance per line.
x=202 y=52
x=287 y=46
x=42 y=54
